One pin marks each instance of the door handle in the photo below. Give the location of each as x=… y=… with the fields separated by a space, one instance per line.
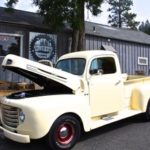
x=118 y=82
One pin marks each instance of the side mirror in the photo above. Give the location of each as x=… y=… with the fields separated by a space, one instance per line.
x=96 y=71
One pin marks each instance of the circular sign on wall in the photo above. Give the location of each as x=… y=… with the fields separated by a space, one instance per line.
x=42 y=46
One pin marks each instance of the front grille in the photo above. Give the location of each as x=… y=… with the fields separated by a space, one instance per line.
x=10 y=116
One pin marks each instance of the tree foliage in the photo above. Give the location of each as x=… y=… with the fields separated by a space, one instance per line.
x=11 y=3
x=59 y=12
x=145 y=27
x=120 y=14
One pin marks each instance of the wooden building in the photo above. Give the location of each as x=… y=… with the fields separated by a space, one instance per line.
x=132 y=47
x=23 y=33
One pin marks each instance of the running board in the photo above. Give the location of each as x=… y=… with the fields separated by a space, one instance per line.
x=110 y=119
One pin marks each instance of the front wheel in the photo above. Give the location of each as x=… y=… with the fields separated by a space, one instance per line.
x=64 y=133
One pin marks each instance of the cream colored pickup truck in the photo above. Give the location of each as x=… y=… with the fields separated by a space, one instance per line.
x=85 y=91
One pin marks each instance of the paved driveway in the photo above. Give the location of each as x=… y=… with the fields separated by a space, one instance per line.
x=129 y=134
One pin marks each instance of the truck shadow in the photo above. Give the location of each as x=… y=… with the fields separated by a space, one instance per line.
x=6 y=144
x=138 y=119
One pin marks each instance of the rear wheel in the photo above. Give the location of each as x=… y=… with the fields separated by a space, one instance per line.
x=148 y=112
x=64 y=133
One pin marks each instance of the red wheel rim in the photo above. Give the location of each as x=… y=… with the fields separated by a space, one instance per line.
x=65 y=133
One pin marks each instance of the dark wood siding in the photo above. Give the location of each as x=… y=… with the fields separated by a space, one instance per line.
x=6 y=28
x=128 y=53
x=24 y=32
x=62 y=46
x=62 y=43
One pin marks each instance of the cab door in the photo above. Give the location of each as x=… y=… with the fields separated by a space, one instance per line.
x=105 y=86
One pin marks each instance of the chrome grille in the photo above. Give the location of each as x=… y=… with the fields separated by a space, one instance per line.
x=10 y=116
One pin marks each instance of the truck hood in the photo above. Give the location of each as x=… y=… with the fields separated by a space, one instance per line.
x=40 y=73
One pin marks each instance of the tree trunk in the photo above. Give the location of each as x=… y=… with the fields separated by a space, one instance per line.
x=78 y=35
x=81 y=43
x=75 y=39
x=120 y=19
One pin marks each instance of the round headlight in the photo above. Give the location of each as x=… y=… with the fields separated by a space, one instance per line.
x=21 y=116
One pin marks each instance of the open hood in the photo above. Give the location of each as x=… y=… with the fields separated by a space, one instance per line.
x=40 y=73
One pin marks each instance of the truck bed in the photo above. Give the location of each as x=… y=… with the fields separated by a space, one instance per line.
x=130 y=83
x=134 y=78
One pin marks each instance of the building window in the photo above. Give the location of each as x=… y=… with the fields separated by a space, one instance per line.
x=142 y=61
x=10 y=44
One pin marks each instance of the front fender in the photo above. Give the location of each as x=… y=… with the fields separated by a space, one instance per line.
x=45 y=110
x=79 y=107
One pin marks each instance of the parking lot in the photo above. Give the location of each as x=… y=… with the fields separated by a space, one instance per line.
x=128 y=134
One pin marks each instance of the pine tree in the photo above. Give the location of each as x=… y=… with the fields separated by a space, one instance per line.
x=120 y=14
x=145 y=27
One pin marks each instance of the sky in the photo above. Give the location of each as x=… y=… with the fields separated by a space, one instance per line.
x=140 y=7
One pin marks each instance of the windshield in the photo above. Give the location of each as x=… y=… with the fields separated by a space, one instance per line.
x=73 y=65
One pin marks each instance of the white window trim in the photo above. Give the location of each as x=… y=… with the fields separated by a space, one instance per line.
x=21 y=41
x=143 y=58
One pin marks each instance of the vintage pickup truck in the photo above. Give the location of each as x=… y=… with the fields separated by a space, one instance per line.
x=85 y=90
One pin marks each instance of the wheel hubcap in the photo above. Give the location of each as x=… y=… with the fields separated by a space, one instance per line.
x=65 y=133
